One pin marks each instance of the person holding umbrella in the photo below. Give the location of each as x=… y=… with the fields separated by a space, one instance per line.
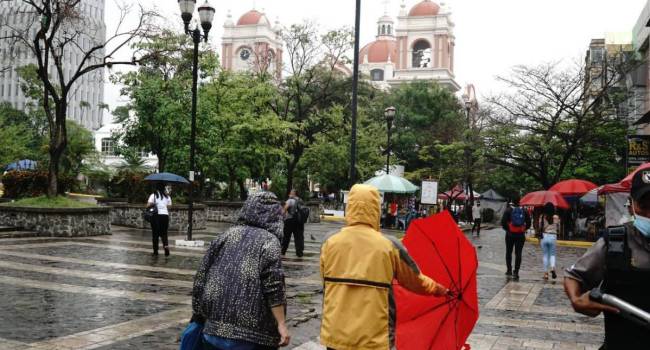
x=358 y=265
x=159 y=200
x=618 y=264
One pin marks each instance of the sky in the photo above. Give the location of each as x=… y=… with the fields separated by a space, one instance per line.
x=491 y=36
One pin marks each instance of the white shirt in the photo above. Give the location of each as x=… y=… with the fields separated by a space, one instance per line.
x=161 y=203
x=476 y=212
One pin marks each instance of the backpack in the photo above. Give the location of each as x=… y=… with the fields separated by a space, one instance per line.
x=517 y=220
x=299 y=211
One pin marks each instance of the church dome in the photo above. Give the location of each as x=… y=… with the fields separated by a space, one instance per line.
x=252 y=17
x=425 y=8
x=380 y=51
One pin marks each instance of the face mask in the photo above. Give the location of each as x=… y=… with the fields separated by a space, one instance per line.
x=642 y=224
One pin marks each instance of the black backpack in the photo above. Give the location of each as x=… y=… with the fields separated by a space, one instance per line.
x=301 y=212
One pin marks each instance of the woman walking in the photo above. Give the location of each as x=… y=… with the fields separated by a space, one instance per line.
x=160 y=220
x=549 y=227
x=239 y=292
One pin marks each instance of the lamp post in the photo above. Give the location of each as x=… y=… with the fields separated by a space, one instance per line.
x=355 y=86
x=468 y=155
x=206 y=15
x=389 y=113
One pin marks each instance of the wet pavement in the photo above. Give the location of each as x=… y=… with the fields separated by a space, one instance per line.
x=110 y=293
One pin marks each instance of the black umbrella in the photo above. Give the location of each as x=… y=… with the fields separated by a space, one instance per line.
x=166 y=177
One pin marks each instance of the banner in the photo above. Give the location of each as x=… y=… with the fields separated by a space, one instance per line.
x=429 y=192
x=638 y=150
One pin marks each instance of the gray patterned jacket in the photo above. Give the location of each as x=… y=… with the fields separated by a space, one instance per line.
x=241 y=276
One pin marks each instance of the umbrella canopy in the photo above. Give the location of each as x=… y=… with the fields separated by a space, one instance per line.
x=166 y=177
x=492 y=195
x=392 y=184
x=573 y=187
x=591 y=197
x=613 y=188
x=443 y=253
x=25 y=164
x=540 y=198
x=627 y=181
x=457 y=193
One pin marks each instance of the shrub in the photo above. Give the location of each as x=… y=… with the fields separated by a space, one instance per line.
x=130 y=185
x=22 y=184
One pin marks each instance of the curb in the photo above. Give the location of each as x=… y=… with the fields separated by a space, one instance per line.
x=573 y=244
x=332 y=218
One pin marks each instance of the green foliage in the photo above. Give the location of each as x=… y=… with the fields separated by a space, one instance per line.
x=18 y=139
x=80 y=146
x=21 y=184
x=130 y=185
x=47 y=202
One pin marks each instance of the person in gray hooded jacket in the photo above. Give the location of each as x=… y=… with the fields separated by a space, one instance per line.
x=239 y=290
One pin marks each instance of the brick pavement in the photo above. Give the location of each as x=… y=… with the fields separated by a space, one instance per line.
x=109 y=293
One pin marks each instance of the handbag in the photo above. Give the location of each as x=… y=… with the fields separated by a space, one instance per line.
x=150 y=212
x=191 y=338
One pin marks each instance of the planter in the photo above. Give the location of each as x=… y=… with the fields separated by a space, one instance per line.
x=130 y=215
x=59 y=222
x=228 y=211
x=103 y=201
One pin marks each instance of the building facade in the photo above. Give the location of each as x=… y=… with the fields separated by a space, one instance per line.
x=419 y=47
x=86 y=100
x=252 y=44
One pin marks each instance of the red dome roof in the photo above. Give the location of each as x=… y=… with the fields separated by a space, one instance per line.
x=379 y=51
x=251 y=17
x=425 y=8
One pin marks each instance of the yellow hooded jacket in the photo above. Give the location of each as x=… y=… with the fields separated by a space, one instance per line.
x=358 y=265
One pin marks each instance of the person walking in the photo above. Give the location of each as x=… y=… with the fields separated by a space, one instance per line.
x=160 y=200
x=618 y=264
x=476 y=216
x=515 y=222
x=358 y=265
x=549 y=227
x=293 y=225
x=239 y=292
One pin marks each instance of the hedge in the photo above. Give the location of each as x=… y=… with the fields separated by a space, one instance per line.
x=22 y=184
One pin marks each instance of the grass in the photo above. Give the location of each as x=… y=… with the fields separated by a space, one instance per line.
x=45 y=202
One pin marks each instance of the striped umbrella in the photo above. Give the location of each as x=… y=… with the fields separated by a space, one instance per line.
x=392 y=184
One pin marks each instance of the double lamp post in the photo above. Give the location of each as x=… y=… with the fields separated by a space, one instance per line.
x=206 y=16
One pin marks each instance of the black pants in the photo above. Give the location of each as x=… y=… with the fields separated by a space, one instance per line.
x=477 y=226
x=159 y=227
x=516 y=241
x=297 y=229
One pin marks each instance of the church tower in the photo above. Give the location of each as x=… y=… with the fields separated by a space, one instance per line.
x=252 y=44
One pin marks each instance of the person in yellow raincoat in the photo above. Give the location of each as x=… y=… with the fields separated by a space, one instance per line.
x=358 y=265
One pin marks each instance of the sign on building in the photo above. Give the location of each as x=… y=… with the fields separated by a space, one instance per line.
x=638 y=150
x=429 y=192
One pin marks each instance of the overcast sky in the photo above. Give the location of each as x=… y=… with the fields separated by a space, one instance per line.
x=491 y=35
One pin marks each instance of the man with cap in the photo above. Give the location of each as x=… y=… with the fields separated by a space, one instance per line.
x=619 y=264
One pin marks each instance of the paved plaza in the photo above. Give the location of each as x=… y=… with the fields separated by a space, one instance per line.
x=109 y=293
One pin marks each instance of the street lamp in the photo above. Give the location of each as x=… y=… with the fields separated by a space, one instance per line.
x=355 y=87
x=468 y=156
x=389 y=113
x=206 y=15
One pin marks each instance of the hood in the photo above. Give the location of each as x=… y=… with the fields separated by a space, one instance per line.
x=263 y=210
x=363 y=206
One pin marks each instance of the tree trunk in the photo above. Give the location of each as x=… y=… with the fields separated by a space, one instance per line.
x=243 y=194
x=291 y=168
x=58 y=143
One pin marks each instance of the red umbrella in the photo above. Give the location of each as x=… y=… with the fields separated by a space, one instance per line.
x=540 y=198
x=573 y=187
x=627 y=181
x=442 y=252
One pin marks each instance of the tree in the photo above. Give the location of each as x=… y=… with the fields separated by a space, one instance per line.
x=315 y=89
x=18 y=140
x=58 y=29
x=553 y=124
x=157 y=118
x=428 y=132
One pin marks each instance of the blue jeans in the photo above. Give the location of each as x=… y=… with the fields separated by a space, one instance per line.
x=211 y=342
x=548 y=248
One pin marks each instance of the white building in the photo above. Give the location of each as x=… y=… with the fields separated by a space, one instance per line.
x=87 y=96
x=420 y=47
x=252 y=44
x=105 y=144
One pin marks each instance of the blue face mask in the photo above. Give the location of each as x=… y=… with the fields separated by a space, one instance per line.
x=642 y=224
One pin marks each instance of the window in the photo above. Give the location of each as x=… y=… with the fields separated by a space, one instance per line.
x=108 y=147
x=421 y=54
x=377 y=75
x=390 y=30
x=597 y=55
x=383 y=29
